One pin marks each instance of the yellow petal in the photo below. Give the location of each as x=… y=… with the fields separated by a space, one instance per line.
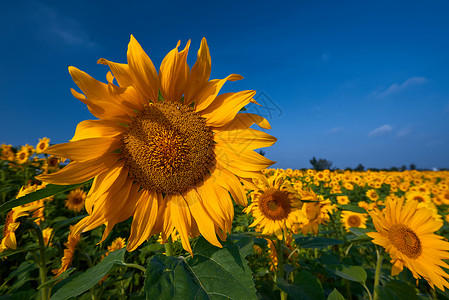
x=225 y=107
x=79 y=172
x=200 y=73
x=203 y=219
x=173 y=73
x=180 y=215
x=96 y=129
x=142 y=71
x=86 y=149
x=145 y=216
x=210 y=90
x=121 y=72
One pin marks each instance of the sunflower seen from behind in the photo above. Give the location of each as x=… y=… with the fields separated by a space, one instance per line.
x=407 y=234
x=166 y=148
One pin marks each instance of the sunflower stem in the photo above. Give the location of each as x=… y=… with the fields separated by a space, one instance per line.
x=169 y=247
x=42 y=262
x=281 y=271
x=377 y=272
x=135 y=266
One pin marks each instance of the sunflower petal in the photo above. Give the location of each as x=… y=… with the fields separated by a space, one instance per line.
x=174 y=73
x=225 y=107
x=200 y=73
x=142 y=71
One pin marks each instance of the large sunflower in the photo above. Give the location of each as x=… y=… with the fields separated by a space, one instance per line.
x=167 y=149
x=407 y=234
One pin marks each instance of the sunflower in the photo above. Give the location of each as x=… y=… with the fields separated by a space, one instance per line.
x=167 y=149
x=7 y=152
x=42 y=145
x=75 y=200
x=22 y=156
x=342 y=200
x=407 y=234
x=316 y=211
x=72 y=240
x=372 y=195
x=275 y=206
x=46 y=233
x=11 y=224
x=116 y=244
x=38 y=213
x=353 y=219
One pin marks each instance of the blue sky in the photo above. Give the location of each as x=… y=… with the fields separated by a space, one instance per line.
x=350 y=81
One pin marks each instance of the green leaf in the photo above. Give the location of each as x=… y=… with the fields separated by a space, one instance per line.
x=91 y=277
x=360 y=231
x=353 y=273
x=353 y=208
x=63 y=275
x=48 y=191
x=305 y=286
x=212 y=273
x=360 y=234
x=335 y=295
x=396 y=290
x=9 y=252
x=316 y=242
x=64 y=223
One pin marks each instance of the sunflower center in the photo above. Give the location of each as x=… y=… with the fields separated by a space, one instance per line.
x=354 y=221
x=42 y=146
x=168 y=148
x=77 y=200
x=274 y=204
x=419 y=198
x=405 y=240
x=22 y=156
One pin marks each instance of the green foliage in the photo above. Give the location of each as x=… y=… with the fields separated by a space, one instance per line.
x=335 y=295
x=353 y=273
x=91 y=277
x=316 y=242
x=212 y=273
x=305 y=286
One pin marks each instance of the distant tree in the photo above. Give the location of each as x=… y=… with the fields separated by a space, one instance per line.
x=394 y=169
x=403 y=168
x=360 y=168
x=412 y=167
x=261 y=152
x=320 y=164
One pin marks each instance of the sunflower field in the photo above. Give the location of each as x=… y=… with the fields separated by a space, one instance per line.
x=163 y=196
x=306 y=234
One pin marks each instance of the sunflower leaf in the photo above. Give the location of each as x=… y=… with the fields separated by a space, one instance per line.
x=335 y=295
x=211 y=273
x=353 y=208
x=49 y=190
x=91 y=277
x=396 y=290
x=353 y=273
x=316 y=242
x=305 y=286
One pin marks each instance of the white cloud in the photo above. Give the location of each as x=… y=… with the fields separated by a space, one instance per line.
x=396 y=88
x=53 y=25
x=380 y=130
x=403 y=132
x=334 y=130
